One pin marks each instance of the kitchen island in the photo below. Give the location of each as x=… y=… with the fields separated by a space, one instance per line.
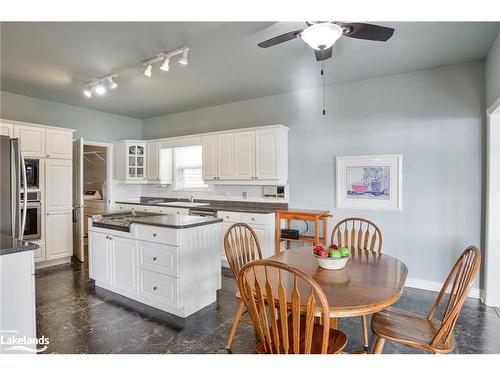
x=170 y=262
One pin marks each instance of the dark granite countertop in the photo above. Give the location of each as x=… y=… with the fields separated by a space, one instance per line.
x=175 y=221
x=214 y=205
x=9 y=245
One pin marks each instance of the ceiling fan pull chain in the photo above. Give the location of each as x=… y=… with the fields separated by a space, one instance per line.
x=323 y=76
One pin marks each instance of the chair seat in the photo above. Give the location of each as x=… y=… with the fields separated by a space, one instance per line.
x=337 y=340
x=409 y=329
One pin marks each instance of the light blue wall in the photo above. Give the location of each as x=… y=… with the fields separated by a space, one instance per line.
x=91 y=125
x=433 y=117
x=493 y=73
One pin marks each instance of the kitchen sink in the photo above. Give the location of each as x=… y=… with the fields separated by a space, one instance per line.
x=184 y=204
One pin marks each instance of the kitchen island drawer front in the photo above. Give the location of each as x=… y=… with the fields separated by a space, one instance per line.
x=230 y=217
x=157 y=234
x=251 y=218
x=159 y=258
x=159 y=288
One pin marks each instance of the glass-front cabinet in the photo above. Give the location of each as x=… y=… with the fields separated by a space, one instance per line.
x=132 y=161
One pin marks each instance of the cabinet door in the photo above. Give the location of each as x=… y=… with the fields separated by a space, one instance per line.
x=261 y=232
x=209 y=158
x=99 y=257
x=224 y=227
x=58 y=234
x=32 y=140
x=267 y=154
x=124 y=264
x=58 y=185
x=135 y=161
x=166 y=169
x=6 y=129
x=59 y=144
x=244 y=155
x=153 y=157
x=226 y=164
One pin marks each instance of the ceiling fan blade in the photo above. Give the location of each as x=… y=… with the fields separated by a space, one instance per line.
x=323 y=54
x=367 y=31
x=280 y=39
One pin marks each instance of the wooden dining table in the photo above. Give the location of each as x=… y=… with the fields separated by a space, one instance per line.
x=368 y=283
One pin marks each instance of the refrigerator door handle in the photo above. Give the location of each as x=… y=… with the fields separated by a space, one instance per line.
x=25 y=196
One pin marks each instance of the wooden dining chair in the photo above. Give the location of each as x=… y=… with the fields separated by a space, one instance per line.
x=241 y=246
x=428 y=333
x=283 y=303
x=360 y=235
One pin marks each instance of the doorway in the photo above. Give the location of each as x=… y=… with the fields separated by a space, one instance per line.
x=492 y=250
x=92 y=187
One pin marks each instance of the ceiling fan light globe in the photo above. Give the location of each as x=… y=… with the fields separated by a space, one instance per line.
x=321 y=35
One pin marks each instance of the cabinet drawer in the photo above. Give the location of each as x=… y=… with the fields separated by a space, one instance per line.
x=155 y=234
x=230 y=217
x=159 y=258
x=159 y=288
x=250 y=218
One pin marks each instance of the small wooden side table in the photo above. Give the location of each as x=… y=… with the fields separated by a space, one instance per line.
x=315 y=216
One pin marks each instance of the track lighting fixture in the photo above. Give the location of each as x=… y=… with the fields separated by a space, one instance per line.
x=147 y=71
x=165 y=65
x=99 y=85
x=184 y=59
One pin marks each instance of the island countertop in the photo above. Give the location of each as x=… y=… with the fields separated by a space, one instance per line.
x=175 y=221
x=9 y=245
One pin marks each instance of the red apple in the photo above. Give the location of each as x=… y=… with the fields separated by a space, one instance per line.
x=334 y=246
x=318 y=249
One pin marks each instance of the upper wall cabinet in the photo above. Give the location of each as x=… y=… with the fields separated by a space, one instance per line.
x=153 y=161
x=159 y=163
x=32 y=139
x=131 y=161
x=255 y=156
x=6 y=129
x=59 y=144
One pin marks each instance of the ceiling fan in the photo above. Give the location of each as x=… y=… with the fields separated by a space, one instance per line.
x=322 y=35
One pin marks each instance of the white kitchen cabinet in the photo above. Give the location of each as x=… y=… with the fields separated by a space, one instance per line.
x=131 y=161
x=262 y=224
x=17 y=301
x=269 y=160
x=166 y=171
x=244 y=155
x=32 y=139
x=225 y=157
x=210 y=158
x=153 y=161
x=6 y=129
x=59 y=144
x=58 y=234
x=58 y=185
x=99 y=257
x=124 y=265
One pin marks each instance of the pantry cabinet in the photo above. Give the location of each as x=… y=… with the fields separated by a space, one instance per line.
x=58 y=185
x=58 y=234
x=58 y=144
x=257 y=156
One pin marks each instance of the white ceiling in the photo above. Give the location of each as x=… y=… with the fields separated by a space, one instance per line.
x=52 y=60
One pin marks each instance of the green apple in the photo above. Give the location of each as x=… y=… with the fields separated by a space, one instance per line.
x=335 y=254
x=345 y=251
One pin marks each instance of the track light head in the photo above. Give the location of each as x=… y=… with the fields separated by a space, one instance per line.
x=100 y=89
x=184 y=59
x=147 y=71
x=165 y=65
x=87 y=92
x=111 y=82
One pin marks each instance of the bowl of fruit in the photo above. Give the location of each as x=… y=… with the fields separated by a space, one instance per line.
x=333 y=258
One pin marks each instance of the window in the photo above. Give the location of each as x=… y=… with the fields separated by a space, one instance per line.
x=188 y=168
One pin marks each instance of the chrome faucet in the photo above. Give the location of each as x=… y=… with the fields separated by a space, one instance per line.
x=133 y=212
x=191 y=199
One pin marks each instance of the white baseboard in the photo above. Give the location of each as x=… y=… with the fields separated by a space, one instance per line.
x=436 y=287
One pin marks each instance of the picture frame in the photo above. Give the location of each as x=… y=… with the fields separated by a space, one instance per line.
x=370 y=182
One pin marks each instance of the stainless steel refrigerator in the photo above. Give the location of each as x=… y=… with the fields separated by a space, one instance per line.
x=12 y=174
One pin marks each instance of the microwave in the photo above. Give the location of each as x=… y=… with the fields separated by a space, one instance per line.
x=32 y=173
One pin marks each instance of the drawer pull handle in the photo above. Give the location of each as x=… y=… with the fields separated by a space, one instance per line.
x=227 y=217
x=154 y=234
x=155 y=288
x=253 y=218
x=155 y=259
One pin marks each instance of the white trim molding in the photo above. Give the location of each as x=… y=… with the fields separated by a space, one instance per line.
x=434 y=286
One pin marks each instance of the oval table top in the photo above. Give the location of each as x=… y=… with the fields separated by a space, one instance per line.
x=368 y=283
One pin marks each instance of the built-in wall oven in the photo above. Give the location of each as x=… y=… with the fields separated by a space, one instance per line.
x=33 y=226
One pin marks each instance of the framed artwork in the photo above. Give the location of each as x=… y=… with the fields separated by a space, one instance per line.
x=370 y=182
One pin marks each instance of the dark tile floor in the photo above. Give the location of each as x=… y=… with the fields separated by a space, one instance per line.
x=79 y=318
